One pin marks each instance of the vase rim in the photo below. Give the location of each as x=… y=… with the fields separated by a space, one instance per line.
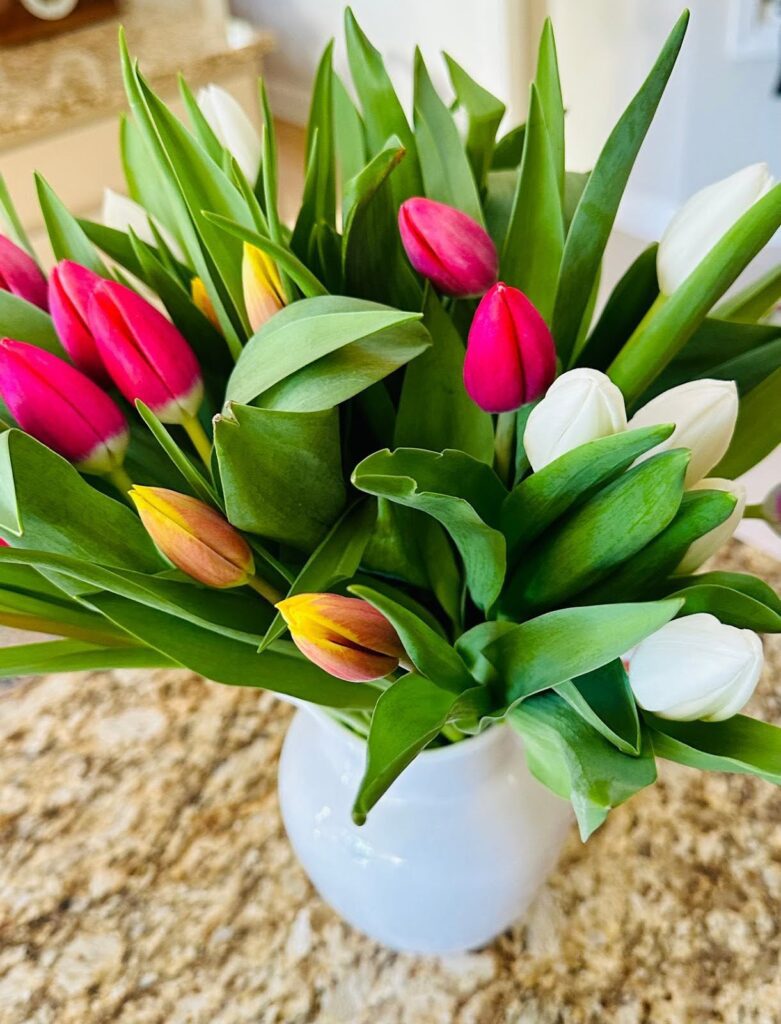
x=455 y=751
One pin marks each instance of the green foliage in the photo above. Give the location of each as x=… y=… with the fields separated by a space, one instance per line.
x=464 y=495
x=280 y=472
x=605 y=531
x=573 y=759
x=596 y=212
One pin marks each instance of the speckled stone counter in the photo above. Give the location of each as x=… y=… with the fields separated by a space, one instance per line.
x=145 y=879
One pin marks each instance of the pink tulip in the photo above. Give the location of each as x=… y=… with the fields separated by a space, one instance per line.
x=144 y=353
x=62 y=407
x=20 y=274
x=510 y=355
x=70 y=289
x=447 y=247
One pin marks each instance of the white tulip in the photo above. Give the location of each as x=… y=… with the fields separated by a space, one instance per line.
x=703 y=220
x=707 y=545
x=233 y=128
x=696 y=668
x=580 y=406
x=122 y=214
x=704 y=413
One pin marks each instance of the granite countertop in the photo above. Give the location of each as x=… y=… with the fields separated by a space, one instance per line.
x=145 y=879
x=57 y=83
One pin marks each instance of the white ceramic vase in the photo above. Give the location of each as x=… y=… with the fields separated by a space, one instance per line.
x=451 y=855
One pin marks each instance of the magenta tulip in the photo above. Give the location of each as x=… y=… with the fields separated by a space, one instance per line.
x=510 y=355
x=448 y=247
x=144 y=353
x=70 y=289
x=62 y=407
x=20 y=274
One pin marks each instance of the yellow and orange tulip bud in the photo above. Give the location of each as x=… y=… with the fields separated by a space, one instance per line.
x=344 y=636
x=195 y=537
x=203 y=303
x=263 y=294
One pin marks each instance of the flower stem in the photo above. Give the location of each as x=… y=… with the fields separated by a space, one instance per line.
x=753 y=512
x=122 y=480
x=199 y=438
x=503 y=446
x=266 y=591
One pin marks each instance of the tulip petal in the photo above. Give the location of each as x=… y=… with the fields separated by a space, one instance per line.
x=70 y=289
x=21 y=275
x=448 y=247
x=194 y=536
x=144 y=353
x=62 y=407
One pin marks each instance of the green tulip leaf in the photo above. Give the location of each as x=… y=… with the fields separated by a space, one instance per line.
x=626 y=306
x=605 y=531
x=462 y=494
x=309 y=331
x=349 y=134
x=66 y=236
x=428 y=651
x=24 y=321
x=408 y=716
x=435 y=411
x=447 y=173
x=66 y=516
x=484 y=114
x=373 y=261
x=758 y=430
x=730 y=606
x=574 y=760
x=224 y=660
x=604 y=699
x=383 y=114
x=570 y=642
x=742 y=582
x=281 y=472
x=698 y=514
x=545 y=496
x=335 y=559
x=598 y=206
x=534 y=243
x=670 y=325
x=75 y=656
x=740 y=745
x=755 y=301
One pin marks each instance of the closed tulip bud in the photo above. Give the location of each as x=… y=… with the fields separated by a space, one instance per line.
x=202 y=302
x=195 y=537
x=21 y=275
x=263 y=295
x=510 y=354
x=704 y=413
x=125 y=214
x=61 y=407
x=344 y=636
x=707 y=545
x=447 y=247
x=233 y=128
x=144 y=353
x=580 y=406
x=70 y=289
x=703 y=220
x=696 y=668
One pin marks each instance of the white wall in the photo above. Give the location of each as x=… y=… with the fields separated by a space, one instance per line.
x=488 y=37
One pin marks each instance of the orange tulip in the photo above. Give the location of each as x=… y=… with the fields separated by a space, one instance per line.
x=344 y=636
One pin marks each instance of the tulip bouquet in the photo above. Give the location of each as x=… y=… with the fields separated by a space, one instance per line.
x=387 y=460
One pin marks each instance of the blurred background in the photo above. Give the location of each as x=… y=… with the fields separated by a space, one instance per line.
x=60 y=89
